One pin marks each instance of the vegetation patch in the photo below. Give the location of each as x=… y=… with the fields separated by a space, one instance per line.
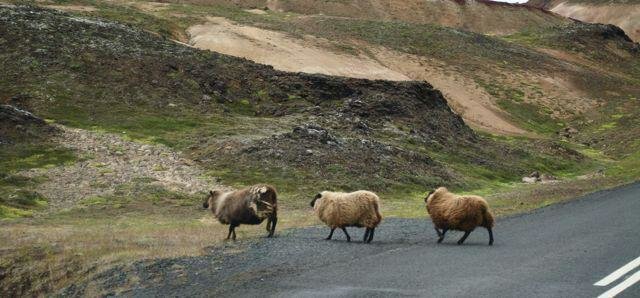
x=18 y=194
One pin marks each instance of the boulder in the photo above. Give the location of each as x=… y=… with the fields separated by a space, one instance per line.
x=545 y=178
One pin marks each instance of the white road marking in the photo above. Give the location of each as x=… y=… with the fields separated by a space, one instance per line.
x=622 y=286
x=618 y=273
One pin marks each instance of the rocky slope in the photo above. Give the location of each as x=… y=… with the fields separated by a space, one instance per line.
x=624 y=14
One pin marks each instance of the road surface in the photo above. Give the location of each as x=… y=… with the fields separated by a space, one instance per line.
x=557 y=251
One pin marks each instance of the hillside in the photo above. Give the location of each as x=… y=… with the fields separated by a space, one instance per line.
x=116 y=78
x=477 y=16
x=624 y=14
x=488 y=80
x=112 y=131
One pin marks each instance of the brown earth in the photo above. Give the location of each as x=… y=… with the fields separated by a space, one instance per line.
x=314 y=55
x=468 y=99
x=75 y=8
x=308 y=55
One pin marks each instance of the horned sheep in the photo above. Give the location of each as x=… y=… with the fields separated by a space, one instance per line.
x=250 y=206
x=462 y=213
x=342 y=210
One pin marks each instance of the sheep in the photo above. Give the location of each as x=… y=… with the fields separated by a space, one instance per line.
x=250 y=206
x=462 y=213
x=341 y=210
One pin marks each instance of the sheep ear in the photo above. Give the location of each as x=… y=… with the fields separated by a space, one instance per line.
x=318 y=196
x=211 y=192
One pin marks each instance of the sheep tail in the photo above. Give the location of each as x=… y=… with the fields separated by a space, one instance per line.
x=376 y=207
x=488 y=219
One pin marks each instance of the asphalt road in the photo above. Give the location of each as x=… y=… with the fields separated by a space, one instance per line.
x=557 y=251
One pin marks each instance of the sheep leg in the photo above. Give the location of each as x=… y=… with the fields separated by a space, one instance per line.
x=371 y=235
x=231 y=227
x=464 y=237
x=438 y=231
x=273 y=221
x=490 y=236
x=347 y=234
x=268 y=224
x=366 y=235
x=232 y=231
x=441 y=236
x=330 y=234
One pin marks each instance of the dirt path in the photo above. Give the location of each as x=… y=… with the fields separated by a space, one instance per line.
x=283 y=52
x=72 y=8
x=108 y=161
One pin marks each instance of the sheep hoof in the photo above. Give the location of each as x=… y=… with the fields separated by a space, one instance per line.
x=440 y=240
x=460 y=242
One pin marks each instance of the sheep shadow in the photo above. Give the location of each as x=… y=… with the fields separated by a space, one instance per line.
x=392 y=232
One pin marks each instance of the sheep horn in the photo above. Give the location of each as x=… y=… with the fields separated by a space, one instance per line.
x=266 y=203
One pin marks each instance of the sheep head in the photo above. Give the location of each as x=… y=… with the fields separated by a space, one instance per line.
x=426 y=199
x=213 y=195
x=313 y=202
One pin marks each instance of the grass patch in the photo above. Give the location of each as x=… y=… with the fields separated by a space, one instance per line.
x=527 y=115
x=23 y=156
x=530 y=116
x=17 y=195
x=628 y=168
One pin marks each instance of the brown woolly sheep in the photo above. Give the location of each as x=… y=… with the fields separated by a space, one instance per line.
x=341 y=210
x=249 y=206
x=462 y=213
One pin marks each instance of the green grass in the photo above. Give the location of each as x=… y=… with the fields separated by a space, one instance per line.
x=18 y=157
x=530 y=116
x=18 y=195
x=527 y=115
x=136 y=124
x=628 y=168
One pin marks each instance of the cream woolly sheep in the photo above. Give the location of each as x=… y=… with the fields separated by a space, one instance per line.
x=341 y=210
x=463 y=213
x=251 y=206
